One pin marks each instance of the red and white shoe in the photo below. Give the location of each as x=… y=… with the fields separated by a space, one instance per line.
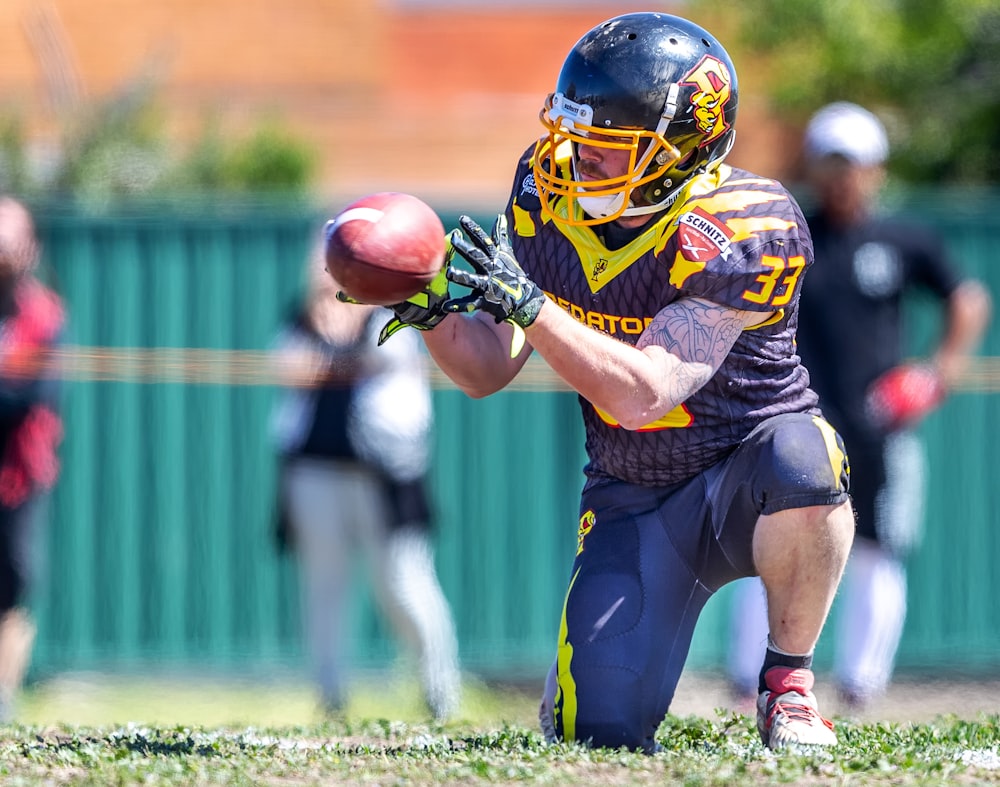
x=787 y=713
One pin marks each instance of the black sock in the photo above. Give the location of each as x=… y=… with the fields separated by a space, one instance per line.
x=775 y=659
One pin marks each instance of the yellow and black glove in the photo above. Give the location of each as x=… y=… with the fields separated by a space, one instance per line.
x=421 y=311
x=499 y=286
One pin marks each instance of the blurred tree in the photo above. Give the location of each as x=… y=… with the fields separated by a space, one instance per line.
x=113 y=148
x=13 y=167
x=929 y=68
x=268 y=160
x=118 y=149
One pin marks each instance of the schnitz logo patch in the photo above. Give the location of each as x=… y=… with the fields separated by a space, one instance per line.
x=702 y=236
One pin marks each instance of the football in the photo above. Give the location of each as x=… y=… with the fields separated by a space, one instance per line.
x=385 y=247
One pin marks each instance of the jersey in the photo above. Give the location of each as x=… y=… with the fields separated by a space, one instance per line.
x=730 y=237
x=31 y=326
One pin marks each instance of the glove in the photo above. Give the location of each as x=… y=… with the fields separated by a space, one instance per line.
x=421 y=311
x=903 y=395
x=499 y=285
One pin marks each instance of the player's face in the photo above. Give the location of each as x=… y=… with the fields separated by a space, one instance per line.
x=609 y=157
x=604 y=161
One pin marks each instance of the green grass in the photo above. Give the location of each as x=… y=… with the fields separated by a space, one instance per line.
x=271 y=701
x=175 y=732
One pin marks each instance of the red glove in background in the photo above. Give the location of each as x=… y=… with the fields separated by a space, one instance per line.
x=904 y=395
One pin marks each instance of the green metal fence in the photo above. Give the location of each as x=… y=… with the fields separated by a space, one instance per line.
x=159 y=548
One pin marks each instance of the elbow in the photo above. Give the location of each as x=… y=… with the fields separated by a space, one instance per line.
x=657 y=391
x=634 y=416
x=634 y=423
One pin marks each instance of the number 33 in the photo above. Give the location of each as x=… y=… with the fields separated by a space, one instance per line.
x=769 y=282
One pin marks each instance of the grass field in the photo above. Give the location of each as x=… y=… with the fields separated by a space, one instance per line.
x=92 y=729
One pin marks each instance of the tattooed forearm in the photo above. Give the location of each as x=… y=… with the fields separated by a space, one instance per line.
x=700 y=334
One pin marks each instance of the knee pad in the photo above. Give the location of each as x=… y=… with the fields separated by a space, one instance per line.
x=801 y=461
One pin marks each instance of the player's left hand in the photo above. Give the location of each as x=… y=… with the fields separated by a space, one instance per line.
x=499 y=285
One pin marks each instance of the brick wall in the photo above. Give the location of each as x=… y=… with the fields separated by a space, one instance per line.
x=437 y=101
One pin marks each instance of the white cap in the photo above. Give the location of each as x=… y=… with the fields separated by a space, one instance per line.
x=848 y=130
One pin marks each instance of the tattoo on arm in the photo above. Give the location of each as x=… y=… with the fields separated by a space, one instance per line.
x=700 y=334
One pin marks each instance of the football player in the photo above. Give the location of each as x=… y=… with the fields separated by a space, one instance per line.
x=662 y=285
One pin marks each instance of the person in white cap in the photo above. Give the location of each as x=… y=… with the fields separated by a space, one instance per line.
x=852 y=341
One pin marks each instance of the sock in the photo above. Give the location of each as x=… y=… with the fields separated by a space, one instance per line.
x=775 y=657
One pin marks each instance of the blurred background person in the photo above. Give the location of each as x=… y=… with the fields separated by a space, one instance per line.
x=852 y=339
x=31 y=322
x=353 y=428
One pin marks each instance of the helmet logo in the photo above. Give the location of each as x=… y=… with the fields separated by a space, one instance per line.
x=569 y=112
x=712 y=89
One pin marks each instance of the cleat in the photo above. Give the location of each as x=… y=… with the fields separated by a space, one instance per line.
x=787 y=714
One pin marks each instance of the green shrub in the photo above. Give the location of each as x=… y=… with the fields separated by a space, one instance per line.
x=118 y=150
x=13 y=164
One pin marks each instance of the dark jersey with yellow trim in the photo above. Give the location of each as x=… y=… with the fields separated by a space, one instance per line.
x=732 y=238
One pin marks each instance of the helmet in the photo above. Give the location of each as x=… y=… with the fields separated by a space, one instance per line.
x=654 y=85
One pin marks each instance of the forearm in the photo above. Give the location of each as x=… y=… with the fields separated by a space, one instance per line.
x=679 y=351
x=475 y=353
x=634 y=386
x=299 y=363
x=968 y=314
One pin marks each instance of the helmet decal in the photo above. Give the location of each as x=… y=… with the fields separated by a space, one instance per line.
x=713 y=87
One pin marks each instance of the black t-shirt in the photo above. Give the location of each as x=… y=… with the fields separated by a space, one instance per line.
x=850 y=322
x=326 y=436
